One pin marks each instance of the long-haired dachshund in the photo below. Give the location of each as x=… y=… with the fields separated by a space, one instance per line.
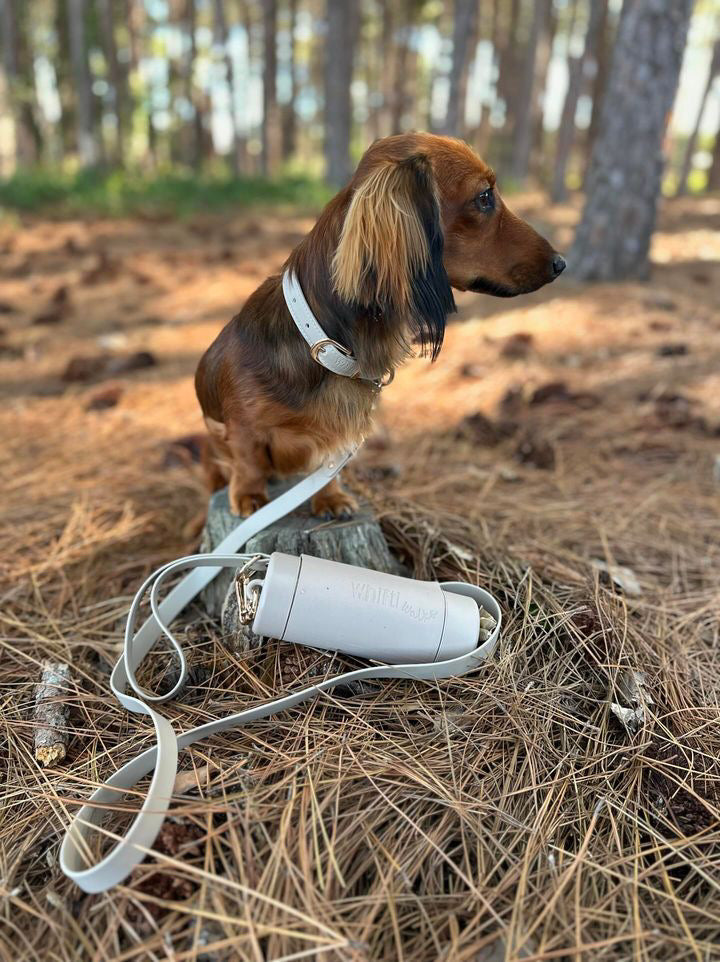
x=420 y=216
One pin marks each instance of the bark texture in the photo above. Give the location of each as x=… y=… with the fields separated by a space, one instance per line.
x=626 y=164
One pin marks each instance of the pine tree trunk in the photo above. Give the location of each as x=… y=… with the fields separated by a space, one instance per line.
x=387 y=74
x=87 y=146
x=600 y=53
x=64 y=82
x=578 y=68
x=464 y=36
x=20 y=91
x=342 y=19
x=624 y=177
x=398 y=91
x=508 y=83
x=134 y=16
x=508 y=65
x=248 y=11
x=196 y=140
x=220 y=31
x=566 y=130
x=117 y=85
x=481 y=136
x=271 y=131
x=692 y=140
x=289 y=120
x=528 y=100
x=542 y=66
x=713 y=182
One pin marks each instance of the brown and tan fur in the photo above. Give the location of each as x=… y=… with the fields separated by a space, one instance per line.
x=377 y=270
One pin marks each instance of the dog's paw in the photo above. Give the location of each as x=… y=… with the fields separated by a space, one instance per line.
x=246 y=503
x=338 y=504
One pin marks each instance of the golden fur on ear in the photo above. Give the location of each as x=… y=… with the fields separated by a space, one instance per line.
x=383 y=243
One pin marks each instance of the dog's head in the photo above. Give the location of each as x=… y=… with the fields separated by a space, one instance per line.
x=423 y=216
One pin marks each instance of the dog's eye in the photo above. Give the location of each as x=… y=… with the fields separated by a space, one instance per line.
x=486 y=200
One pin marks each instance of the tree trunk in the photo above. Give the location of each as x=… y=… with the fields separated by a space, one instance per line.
x=399 y=85
x=117 y=84
x=387 y=54
x=134 y=14
x=544 y=52
x=508 y=85
x=289 y=120
x=528 y=99
x=196 y=145
x=20 y=85
x=271 y=130
x=508 y=61
x=464 y=36
x=566 y=130
x=600 y=54
x=481 y=135
x=692 y=140
x=578 y=68
x=220 y=31
x=624 y=177
x=713 y=182
x=342 y=19
x=87 y=146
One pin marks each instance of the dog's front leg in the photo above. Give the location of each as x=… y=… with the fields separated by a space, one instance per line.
x=333 y=501
x=248 y=475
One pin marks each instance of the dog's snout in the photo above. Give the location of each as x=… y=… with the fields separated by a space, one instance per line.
x=558 y=265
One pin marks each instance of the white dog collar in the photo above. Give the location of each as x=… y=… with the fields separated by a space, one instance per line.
x=323 y=349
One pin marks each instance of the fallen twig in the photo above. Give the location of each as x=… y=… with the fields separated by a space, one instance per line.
x=51 y=713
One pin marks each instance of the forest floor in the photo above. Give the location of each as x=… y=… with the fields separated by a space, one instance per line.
x=506 y=815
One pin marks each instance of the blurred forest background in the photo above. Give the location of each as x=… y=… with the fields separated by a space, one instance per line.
x=116 y=93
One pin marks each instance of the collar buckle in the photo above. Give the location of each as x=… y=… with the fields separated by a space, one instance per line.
x=319 y=346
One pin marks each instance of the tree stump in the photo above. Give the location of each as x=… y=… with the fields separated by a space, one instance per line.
x=359 y=541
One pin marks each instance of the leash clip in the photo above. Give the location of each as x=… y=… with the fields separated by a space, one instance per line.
x=248 y=595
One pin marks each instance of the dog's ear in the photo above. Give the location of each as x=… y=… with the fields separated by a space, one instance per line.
x=389 y=257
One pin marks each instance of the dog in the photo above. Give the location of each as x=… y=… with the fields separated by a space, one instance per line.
x=421 y=215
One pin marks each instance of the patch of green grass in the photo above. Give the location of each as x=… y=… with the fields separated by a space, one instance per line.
x=119 y=193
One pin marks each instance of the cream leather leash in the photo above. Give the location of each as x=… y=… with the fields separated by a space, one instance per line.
x=132 y=848
x=75 y=854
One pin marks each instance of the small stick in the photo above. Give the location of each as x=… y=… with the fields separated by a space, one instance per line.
x=51 y=714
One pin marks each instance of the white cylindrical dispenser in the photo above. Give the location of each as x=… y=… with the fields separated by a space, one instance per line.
x=369 y=614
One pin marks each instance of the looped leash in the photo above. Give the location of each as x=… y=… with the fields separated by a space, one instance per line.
x=75 y=853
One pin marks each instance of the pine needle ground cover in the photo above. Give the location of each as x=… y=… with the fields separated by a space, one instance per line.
x=563 y=452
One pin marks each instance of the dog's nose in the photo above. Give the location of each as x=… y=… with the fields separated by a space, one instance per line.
x=558 y=265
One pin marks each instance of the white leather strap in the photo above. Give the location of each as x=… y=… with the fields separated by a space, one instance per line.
x=75 y=854
x=323 y=349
